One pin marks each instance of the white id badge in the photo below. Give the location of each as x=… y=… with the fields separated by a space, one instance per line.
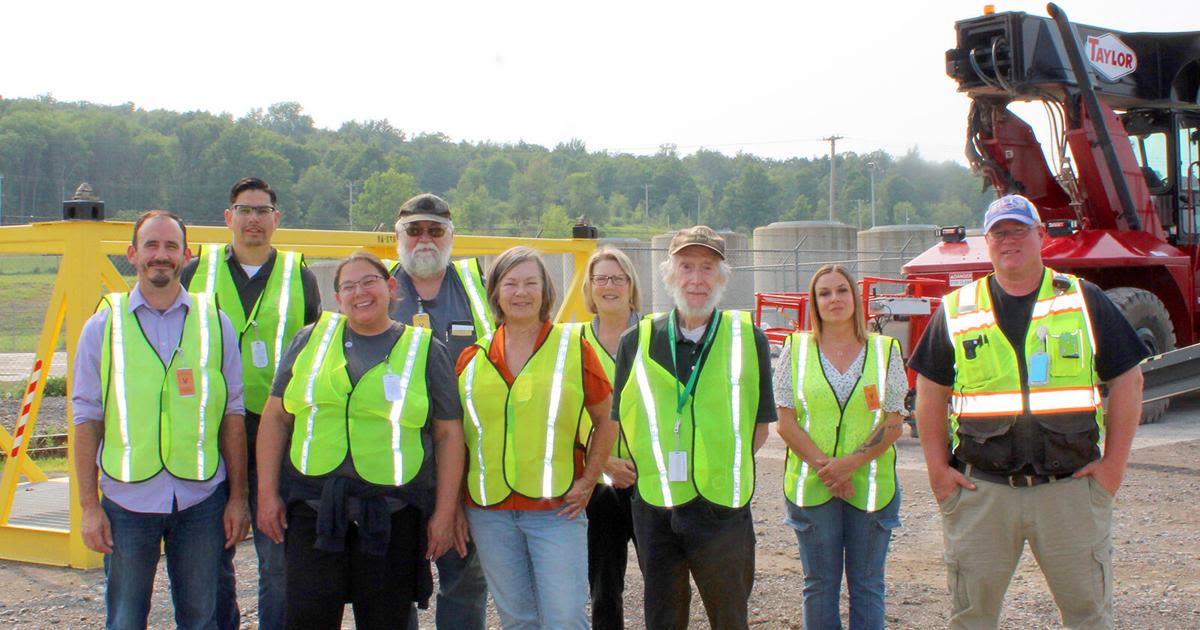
x=258 y=353
x=391 y=387
x=677 y=466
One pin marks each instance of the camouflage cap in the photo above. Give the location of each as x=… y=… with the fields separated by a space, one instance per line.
x=424 y=207
x=701 y=235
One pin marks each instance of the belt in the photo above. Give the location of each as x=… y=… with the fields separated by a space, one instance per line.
x=1012 y=481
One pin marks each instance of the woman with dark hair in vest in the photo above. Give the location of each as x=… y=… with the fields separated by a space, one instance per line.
x=370 y=407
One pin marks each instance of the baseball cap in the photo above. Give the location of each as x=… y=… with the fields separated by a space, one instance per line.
x=1011 y=208
x=701 y=235
x=424 y=207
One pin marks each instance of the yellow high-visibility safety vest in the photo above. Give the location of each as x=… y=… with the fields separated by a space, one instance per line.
x=160 y=415
x=470 y=273
x=277 y=316
x=522 y=438
x=377 y=422
x=620 y=449
x=838 y=431
x=988 y=382
x=716 y=426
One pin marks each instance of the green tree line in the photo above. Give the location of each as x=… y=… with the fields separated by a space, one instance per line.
x=359 y=174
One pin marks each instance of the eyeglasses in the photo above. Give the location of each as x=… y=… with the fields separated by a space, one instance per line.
x=1016 y=233
x=243 y=210
x=416 y=231
x=366 y=283
x=616 y=281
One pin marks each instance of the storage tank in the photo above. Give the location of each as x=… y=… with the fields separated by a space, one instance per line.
x=884 y=249
x=739 y=292
x=786 y=253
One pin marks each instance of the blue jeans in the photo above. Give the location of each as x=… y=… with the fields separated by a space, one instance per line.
x=272 y=582
x=535 y=562
x=462 y=593
x=193 y=539
x=836 y=536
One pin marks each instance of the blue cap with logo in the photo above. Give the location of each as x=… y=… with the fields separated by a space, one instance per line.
x=1011 y=208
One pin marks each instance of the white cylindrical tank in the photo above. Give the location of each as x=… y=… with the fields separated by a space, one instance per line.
x=883 y=250
x=786 y=254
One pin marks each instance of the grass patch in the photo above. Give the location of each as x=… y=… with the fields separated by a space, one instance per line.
x=49 y=465
x=55 y=386
x=26 y=297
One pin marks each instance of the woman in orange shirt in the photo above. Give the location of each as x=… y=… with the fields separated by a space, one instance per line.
x=523 y=389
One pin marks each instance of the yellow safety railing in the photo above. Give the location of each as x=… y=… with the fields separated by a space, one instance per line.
x=85 y=274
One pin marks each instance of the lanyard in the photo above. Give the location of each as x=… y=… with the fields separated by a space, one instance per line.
x=682 y=396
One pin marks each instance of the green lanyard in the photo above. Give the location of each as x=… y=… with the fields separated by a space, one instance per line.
x=682 y=396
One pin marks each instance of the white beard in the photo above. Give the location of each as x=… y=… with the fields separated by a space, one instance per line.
x=711 y=303
x=423 y=261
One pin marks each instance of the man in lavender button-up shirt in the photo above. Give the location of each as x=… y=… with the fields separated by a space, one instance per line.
x=195 y=519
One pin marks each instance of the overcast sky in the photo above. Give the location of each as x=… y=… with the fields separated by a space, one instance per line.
x=769 y=78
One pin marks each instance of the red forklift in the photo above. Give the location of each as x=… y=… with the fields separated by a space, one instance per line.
x=1118 y=196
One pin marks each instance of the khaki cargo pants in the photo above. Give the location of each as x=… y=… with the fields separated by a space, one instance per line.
x=1068 y=524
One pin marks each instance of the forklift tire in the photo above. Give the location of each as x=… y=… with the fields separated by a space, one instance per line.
x=1150 y=320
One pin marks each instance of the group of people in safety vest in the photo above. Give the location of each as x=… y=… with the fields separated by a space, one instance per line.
x=440 y=416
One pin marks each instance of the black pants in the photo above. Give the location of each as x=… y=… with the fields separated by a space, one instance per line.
x=714 y=544
x=380 y=588
x=610 y=528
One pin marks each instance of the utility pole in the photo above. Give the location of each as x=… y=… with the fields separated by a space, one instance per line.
x=646 y=187
x=871 y=168
x=860 y=203
x=697 y=207
x=350 y=207
x=832 y=140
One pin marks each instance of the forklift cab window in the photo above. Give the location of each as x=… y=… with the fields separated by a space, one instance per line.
x=1151 y=152
x=1189 y=169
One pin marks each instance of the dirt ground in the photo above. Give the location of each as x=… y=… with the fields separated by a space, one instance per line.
x=1156 y=540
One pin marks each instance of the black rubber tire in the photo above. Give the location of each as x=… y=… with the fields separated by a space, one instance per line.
x=1150 y=320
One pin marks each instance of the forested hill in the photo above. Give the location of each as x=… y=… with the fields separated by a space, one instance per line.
x=137 y=159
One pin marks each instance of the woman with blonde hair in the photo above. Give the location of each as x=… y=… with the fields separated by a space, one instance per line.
x=524 y=389
x=840 y=393
x=610 y=291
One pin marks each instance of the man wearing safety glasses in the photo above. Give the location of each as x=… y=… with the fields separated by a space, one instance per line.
x=268 y=295
x=448 y=298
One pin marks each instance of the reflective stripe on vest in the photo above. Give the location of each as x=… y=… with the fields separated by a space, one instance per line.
x=717 y=439
x=279 y=309
x=839 y=429
x=471 y=276
x=522 y=438
x=382 y=438
x=988 y=381
x=149 y=424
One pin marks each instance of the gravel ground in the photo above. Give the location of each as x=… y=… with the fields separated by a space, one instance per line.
x=1156 y=536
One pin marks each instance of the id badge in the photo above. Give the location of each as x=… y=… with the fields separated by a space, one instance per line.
x=677 y=466
x=871 y=394
x=421 y=320
x=1068 y=345
x=258 y=353
x=186 y=382
x=1039 y=368
x=391 y=387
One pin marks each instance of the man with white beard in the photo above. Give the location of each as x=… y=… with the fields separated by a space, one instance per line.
x=694 y=398
x=449 y=299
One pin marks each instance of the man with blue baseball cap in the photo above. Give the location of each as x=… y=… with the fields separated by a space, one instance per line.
x=1020 y=354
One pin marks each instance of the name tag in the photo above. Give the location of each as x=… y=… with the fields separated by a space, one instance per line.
x=677 y=466
x=258 y=354
x=391 y=387
x=1039 y=368
x=186 y=382
x=462 y=330
x=871 y=393
x=421 y=320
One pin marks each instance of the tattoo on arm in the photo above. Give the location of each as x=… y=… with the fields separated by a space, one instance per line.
x=872 y=440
